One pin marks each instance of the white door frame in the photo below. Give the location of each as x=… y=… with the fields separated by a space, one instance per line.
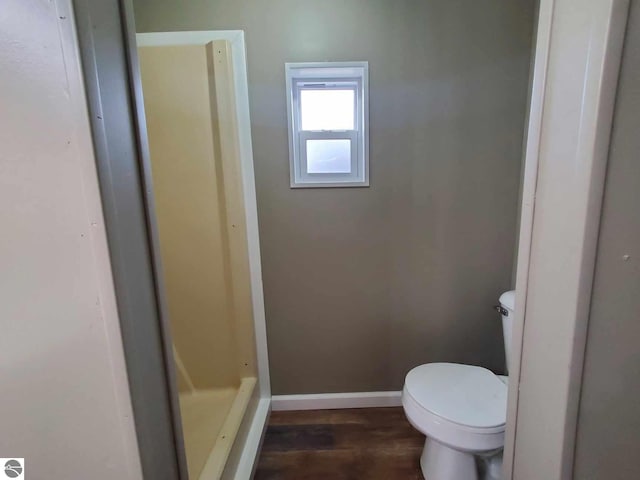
x=577 y=60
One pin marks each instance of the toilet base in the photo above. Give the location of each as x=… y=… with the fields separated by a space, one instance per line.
x=439 y=462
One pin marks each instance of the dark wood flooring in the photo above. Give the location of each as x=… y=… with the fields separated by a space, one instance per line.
x=354 y=444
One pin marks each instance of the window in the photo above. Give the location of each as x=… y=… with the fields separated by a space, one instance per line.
x=328 y=124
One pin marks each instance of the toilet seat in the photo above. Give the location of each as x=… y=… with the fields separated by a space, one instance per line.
x=467 y=395
x=462 y=406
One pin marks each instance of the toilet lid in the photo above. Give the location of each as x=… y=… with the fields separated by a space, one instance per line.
x=464 y=394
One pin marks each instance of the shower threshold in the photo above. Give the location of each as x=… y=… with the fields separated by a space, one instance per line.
x=210 y=421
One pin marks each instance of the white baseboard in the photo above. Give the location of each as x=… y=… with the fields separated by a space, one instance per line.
x=326 y=401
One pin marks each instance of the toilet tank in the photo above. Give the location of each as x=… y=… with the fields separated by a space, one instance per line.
x=506 y=309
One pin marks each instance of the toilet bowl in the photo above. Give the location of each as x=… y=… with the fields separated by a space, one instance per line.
x=461 y=409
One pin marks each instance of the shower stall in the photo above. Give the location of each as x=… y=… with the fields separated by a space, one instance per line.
x=202 y=208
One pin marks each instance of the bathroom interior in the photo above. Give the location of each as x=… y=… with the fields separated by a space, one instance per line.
x=249 y=239
x=359 y=282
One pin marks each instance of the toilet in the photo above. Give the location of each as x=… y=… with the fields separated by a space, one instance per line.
x=462 y=410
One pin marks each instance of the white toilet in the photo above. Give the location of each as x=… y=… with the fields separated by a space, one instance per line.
x=462 y=410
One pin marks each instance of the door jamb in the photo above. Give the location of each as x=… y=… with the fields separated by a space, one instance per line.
x=558 y=245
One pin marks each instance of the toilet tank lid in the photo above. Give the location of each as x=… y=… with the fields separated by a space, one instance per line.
x=508 y=300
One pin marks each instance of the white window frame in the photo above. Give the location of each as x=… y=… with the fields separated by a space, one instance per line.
x=328 y=75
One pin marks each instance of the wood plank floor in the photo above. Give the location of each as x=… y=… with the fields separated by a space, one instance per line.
x=354 y=444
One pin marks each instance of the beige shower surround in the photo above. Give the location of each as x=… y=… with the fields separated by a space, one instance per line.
x=189 y=104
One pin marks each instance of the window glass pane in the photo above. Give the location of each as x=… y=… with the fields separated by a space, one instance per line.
x=327 y=109
x=329 y=156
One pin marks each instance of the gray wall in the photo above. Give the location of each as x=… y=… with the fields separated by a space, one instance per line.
x=608 y=436
x=362 y=284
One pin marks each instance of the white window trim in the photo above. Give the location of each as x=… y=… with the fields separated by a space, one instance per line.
x=329 y=71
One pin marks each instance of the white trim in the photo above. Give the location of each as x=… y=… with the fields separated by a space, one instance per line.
x=530 y=178
x=238 y=52
x=250 y=453
x=327 y=401
x=165 y=39
x=577 y=64
x=241 y=87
